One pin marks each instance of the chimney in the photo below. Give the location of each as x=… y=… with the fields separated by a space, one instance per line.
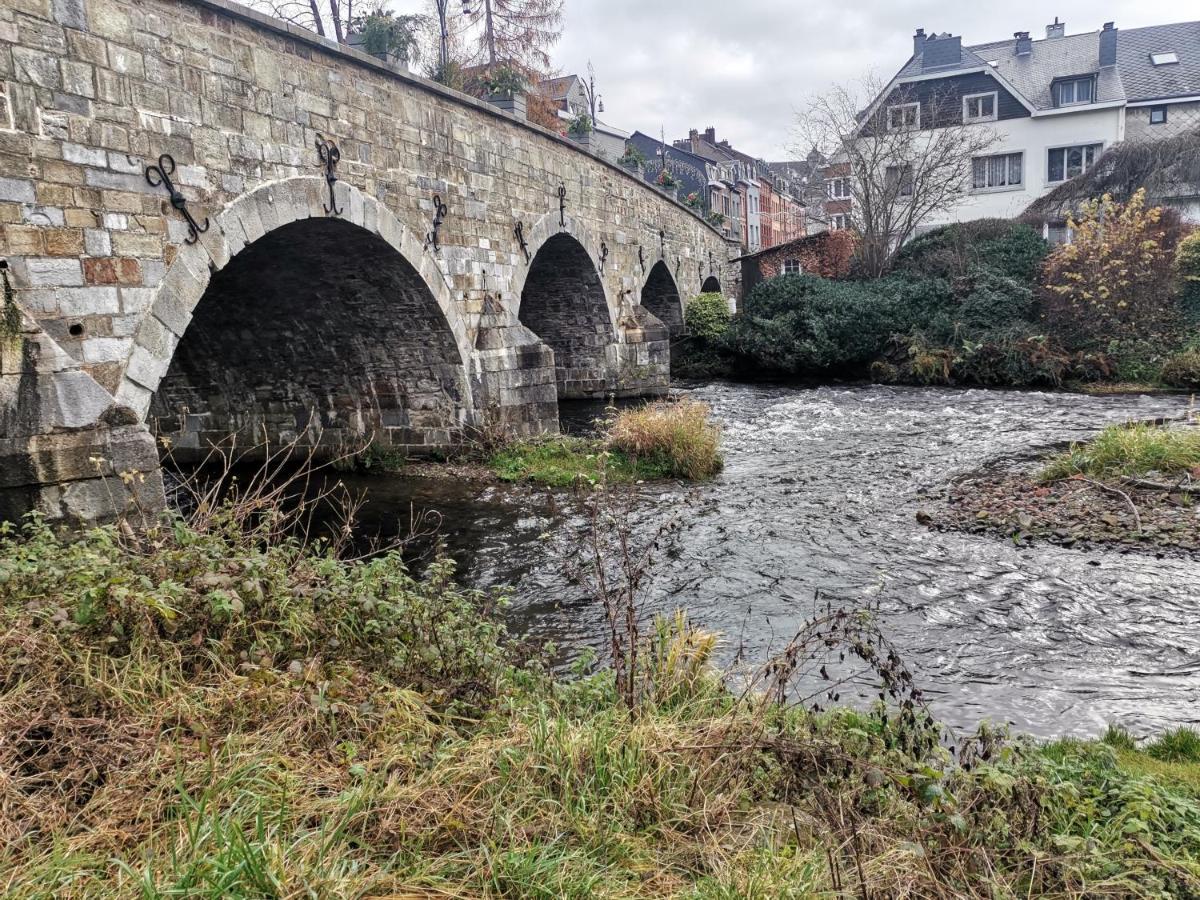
x=1056 y=29
x=710 y=134
x=1024 y=44
x=1108 y=45
x=918 y=42
x=941 y=51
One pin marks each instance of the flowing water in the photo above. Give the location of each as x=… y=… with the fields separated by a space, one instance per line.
x=820 y=491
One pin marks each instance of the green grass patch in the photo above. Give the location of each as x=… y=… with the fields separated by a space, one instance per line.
x=1130 y=450
x=218 y=711
x=563 y=462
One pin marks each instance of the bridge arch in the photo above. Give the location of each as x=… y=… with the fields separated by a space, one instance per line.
x=660 y=297
x=284 y=322
x=563 y=299
x=711 y=285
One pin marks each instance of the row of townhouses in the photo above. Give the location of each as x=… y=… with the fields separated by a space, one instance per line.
x=1055 y=106
x=750 y=200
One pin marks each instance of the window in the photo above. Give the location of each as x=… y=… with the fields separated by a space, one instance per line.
x=1057 y=233
x=1004 y=170
x=839 y=189
x=902 y=176
x=1073 y=90
x=792 y=267
x=1158 y=115
x=1067 y=162
x=979 y=107
x=1164 y=59
x=906 y=115
x=840 y=222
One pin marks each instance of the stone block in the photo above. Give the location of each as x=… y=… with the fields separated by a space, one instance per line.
x=54 y=272
x=88 y=301
x=18 y=190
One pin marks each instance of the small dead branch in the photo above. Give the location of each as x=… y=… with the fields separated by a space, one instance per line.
x=1137 y=519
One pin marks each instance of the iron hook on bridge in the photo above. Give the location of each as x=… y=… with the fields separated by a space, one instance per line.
x=329 y=155
x=160 y=176
x=439 y=216
x=519 y=231
x=562 y=206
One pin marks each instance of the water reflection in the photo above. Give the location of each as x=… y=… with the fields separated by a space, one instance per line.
x=820 y=491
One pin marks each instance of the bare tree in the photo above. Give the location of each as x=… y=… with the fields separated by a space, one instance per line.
x=516 y=32
x=383 y=32
x=905 y=155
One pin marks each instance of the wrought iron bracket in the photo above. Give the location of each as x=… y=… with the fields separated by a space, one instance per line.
x=562 y=206
x=160 y=176
x=603 y=256
x=519 y=231
x=439 y=216
x=662 y=244
x=700 y=270
x=642 y=259
x=330 y=155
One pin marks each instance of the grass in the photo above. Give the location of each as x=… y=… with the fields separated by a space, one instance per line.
x=650 y=443
x=213 y=710
x=563 y=462
x=1129 y=450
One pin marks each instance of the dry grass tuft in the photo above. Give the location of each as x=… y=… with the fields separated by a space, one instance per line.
x=679 y=435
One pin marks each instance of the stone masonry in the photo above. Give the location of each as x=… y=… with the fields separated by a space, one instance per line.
x=289 y=319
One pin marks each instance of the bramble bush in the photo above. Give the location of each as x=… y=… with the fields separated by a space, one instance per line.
x=1187 y=262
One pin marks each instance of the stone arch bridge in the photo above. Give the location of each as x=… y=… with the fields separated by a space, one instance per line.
x=216 y=225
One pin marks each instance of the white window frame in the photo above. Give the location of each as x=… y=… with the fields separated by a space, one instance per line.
x=1161 y=109
x=902 y=107
x=1059 y=84
x=844 y=181
x=792 y=267
x=1164 y=58
x=1099 y=150
x=967 y=98
x=839 y=222
x=901 y=168
x=1016 y=186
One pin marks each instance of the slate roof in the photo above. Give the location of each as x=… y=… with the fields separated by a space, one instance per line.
x=1048 y=59
x=1134 y=77
x=1145 y=81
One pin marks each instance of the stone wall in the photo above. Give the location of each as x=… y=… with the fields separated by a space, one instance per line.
x=93 y=92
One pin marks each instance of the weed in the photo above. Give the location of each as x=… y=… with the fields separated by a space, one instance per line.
x=1129 y=450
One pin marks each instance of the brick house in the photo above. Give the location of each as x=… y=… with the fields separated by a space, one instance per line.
x=826 y=253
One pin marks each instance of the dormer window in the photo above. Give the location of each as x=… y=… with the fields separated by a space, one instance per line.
x=1073 y=91
x=979 y=107
x=1164 y=59
x=904 y=116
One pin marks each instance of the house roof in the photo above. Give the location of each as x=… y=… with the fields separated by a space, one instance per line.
x=1132 y=79
x=558 y=88
x=1145 y=81
x=1033 y=73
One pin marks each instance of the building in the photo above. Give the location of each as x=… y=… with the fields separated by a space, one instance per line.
x=1055 y=104
x=826 y=253
x=570 y=96
x=758 y=206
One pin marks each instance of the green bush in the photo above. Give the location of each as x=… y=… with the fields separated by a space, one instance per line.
x=707 y=316
x=1187 y=261
x=1011 y=249
x=1138 y=361
x=1183 y=369
x=996 y=302
x=802 y=323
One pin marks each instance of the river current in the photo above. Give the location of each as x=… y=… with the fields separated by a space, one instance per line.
x=820 y=493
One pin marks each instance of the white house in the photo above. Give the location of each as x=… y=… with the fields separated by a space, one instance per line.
x=1054 y=104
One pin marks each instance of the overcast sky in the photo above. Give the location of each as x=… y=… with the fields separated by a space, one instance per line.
x=746 y=66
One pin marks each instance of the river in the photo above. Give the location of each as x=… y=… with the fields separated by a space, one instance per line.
x=820 y=492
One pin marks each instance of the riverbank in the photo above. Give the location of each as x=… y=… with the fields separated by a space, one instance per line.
x=1133 y=488
x=657 y=441
x=213 y=710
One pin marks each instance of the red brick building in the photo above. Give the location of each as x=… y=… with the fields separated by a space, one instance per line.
x=826 y=253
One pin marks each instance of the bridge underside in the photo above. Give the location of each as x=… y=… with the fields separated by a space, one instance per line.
x=319 y=333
